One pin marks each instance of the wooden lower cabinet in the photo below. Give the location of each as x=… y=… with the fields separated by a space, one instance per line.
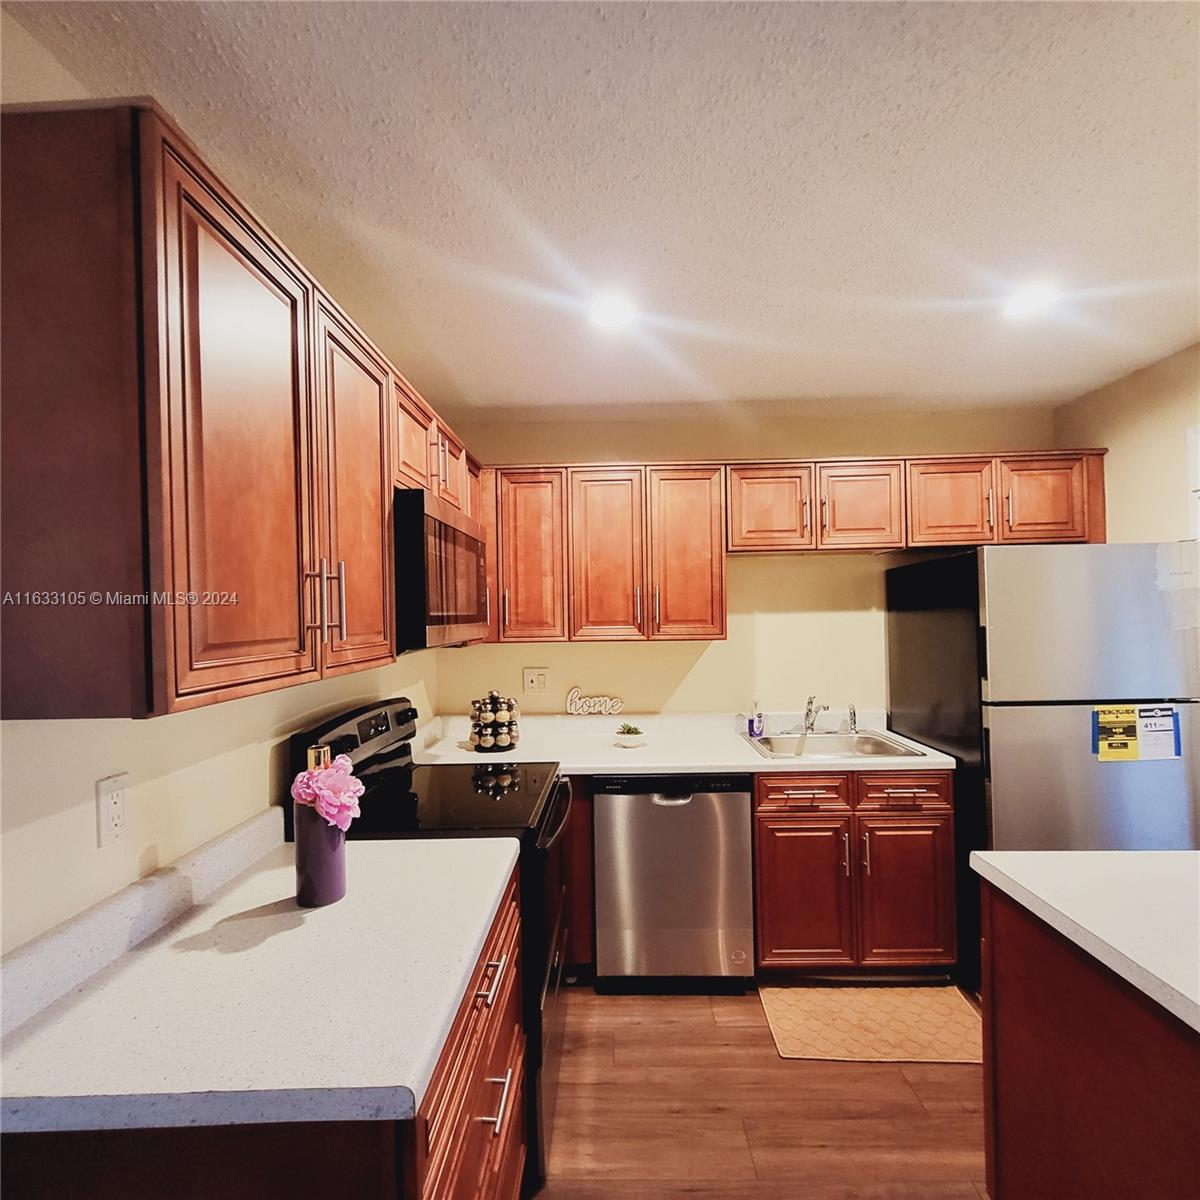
x=906 y=889
x=854 y=870
x=805 y=910
x=470 y=1125
x=1090 y=1086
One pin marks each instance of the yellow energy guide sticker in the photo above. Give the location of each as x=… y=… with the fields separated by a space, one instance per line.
x=1115 y=733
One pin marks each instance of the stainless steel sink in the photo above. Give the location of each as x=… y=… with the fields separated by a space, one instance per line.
x=830 y=745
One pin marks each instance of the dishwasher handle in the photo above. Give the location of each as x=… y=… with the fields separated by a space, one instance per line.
x=670 y=801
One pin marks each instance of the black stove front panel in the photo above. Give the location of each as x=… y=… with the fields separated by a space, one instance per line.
x=447 y=798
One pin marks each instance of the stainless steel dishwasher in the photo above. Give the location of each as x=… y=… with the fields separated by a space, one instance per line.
x=673 y=876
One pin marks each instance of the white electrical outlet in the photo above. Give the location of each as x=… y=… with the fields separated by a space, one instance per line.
x=110 y=808
x=533 y=679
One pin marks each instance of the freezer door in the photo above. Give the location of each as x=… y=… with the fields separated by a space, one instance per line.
x=1091 y=622
x=1048 y=791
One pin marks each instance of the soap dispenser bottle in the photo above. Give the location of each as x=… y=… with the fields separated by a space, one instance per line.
x=756 y=722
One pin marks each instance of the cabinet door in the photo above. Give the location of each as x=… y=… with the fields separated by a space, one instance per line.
x=862 y=505
x=906 y=889
x=805 y=910
x=951 y=502
x=607 y=557
x=241 y=426
x=356 y=391
x=1044 y=499
x=687 y=553
x=533 y=560
x=473 y=502
x=413 y=424
x=448 y=465
x=770 y=507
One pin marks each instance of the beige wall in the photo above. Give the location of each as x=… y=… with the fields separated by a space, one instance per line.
x=769 y=432
x=1151 y=465
x=28 y=71
x=797 y=623
x=192 y=776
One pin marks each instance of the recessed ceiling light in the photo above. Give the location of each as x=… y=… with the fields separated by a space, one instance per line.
x=1031 y=299
x=612 y=311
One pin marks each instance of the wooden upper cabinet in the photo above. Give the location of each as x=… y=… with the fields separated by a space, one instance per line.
x=356 y=395
x=906 y=889
x=533 y=559
x=862 y=505
x=474 y=504
x=414 y=424
x=771 y=507
x=1044 y=499
x=237 y=411
x=687 y=553
x=607 y=554
x=951 y=501
x=805 y=895
x=448 y=466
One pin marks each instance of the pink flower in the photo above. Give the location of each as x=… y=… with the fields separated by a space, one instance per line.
x=332 y=791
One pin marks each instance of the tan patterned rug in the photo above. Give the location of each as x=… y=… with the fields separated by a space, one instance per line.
x=874 y=1024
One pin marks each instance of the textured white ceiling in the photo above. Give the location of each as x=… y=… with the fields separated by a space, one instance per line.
x=822 y=204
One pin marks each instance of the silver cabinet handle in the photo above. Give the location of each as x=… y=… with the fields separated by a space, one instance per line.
x=322 y=622
x=505 y=1081
x=805 y=526
x=442 y=455
x=505 y=602
x=810 y=792
x=489 y=994
x=991 y=517
x=637 y=604
x=341 y=579
x=846 y=853
x=487 y=605
x=894 y=791
x=1008 y=507
x=824 y=514
x=657 y=609
x=867 y=851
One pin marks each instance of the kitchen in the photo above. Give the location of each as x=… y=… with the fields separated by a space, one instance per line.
x=632 y=512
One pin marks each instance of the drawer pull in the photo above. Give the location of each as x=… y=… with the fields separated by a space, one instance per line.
x=810 y=792
x=489 y=994
x=497 y=1122
x=887 y=791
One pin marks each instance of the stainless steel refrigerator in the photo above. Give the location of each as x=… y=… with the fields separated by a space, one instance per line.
x=1002 y=657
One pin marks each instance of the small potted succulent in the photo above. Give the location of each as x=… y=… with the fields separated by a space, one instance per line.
x=630 y=736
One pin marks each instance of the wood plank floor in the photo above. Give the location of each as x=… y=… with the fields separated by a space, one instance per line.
x=685 y=1096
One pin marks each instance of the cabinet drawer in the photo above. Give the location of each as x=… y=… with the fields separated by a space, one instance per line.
x=904 y=791
x=802 y=793
x=492 y=995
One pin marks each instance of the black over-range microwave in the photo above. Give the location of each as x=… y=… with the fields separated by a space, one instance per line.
x=441 y=582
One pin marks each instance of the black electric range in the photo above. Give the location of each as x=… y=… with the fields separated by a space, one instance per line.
x=491 y=798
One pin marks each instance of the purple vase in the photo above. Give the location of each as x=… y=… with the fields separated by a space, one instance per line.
x=320 y=859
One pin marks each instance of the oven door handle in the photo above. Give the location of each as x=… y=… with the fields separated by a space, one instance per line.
x=544 y=842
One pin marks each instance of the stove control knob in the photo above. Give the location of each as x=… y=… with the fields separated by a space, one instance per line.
x=346 y=744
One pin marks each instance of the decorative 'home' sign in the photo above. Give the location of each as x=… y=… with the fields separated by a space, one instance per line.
x=579 y=705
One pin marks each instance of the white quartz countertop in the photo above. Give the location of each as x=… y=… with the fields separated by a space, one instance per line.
x=675 y=744
x=251 y=1009
x=1136 y=911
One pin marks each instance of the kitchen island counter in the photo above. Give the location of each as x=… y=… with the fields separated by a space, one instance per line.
x=253 y=1010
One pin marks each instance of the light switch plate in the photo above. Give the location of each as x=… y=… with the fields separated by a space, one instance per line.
x=110 y=808
x=533 y=679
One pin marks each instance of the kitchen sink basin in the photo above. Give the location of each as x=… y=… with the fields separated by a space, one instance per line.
x=830 y=745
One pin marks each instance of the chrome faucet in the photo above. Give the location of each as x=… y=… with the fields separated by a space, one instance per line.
x=812 y=711
x=853 y=718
